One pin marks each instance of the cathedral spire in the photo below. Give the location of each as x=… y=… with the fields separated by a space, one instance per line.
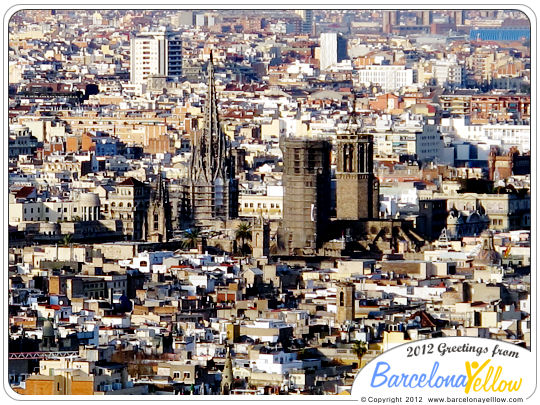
x=158 y=221
x=355 y=124
x=210 y=149
x=212 y=189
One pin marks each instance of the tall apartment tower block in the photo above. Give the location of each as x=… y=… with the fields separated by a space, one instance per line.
x=333 y=49
x=390 y=20
x=156 y=53
x=357 y=187
x=307 y=188
x=307 y=21
x=427 y=17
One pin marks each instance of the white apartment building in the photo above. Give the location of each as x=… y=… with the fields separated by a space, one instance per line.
x=504 y=135
x=333 y=49
x=389 y=77
x=155 y=53
x=411 y=136
x=277 y=362
x=84 y=207
x=448 y=73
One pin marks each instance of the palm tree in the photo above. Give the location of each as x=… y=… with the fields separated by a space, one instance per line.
x=359 y=348
x=67 y=238
x=243 y=232
x=191 y=238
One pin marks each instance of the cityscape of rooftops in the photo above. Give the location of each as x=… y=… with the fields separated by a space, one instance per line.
x=261 y=202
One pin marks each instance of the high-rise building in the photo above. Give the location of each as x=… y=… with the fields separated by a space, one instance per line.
x=184 y=18
x=307 y=21
x=459 y=17
x=307 y=188
x=391 y=19
x=427 y=17
x=333 y=49
x=212 y=190
x=357 y=188
x=156 y=53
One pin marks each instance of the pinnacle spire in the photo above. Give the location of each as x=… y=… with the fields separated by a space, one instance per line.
x=355 y=123
x=210 y=148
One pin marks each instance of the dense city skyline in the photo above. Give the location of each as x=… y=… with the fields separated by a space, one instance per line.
x=230 y=202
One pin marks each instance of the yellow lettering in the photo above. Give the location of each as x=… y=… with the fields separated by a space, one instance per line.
x=515 y=387
x=470 y=375
x=478 y=383
x=488 y=376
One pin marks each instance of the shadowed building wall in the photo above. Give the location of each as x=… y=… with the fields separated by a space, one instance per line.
x=307 y=188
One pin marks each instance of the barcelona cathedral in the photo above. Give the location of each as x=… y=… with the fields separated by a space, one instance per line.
x=314 y=223
x=211 y=191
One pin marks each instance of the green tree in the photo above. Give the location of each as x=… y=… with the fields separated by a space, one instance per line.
x=359 y=348
x=191 y=238
x=243 y=233
x=67 y=239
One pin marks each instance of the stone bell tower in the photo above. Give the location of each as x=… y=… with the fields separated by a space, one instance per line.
x=345 y=302
x=357 y=187
x=260 y=238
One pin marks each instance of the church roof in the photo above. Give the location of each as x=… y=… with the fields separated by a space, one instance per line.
x=130 y=181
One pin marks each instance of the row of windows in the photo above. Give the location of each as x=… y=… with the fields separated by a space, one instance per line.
x=94 y=285
x=260 y=205
x=47 y=210
x=120 y=204
x=187 y=374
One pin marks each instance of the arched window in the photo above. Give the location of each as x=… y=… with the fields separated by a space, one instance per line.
x=341 y=299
